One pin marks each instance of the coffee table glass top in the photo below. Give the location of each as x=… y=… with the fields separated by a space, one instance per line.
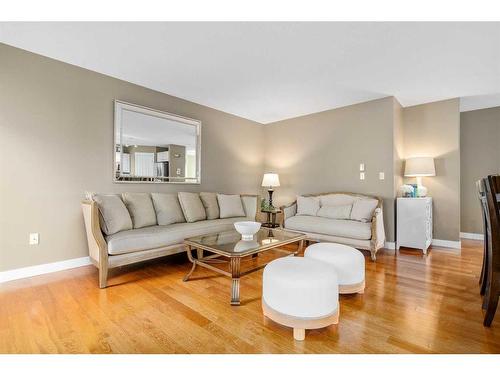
x=230 y=243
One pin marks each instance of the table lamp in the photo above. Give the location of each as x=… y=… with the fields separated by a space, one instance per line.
x=270 y=180
x=420 y=167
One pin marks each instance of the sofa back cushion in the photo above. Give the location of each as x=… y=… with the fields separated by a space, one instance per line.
x=209 y=201
x=141 y=209
x=192 y=207
x=362 y=209
x=337 y=199
x=168 y=209
x=230 y=206
x=307 y=205
x=113 y=215
x=336 y=212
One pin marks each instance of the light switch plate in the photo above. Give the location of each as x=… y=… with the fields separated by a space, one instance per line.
x=362 y=167
x=381 y=176
x=34 y=239
x=362 y=176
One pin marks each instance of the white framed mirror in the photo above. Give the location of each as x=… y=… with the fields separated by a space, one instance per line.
x=152 y=146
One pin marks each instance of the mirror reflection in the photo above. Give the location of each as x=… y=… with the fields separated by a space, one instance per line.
x=155 y=146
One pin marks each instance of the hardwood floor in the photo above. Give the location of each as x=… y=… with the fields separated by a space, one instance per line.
x=411 y=304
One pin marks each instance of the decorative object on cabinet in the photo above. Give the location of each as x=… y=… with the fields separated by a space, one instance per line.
x=270 y=180
x=420 y=167
x=406 y=191
x=414 y=223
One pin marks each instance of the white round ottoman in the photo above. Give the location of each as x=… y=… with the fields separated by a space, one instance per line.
x=300 y=293
x=348 y=262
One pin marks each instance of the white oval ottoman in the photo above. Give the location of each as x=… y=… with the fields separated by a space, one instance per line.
x=300 y=293
x=348 y=262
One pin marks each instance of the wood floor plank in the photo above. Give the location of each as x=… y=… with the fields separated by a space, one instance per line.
x=412 y=304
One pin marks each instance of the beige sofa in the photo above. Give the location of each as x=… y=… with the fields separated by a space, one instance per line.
x=365 y=233
x=143 y=238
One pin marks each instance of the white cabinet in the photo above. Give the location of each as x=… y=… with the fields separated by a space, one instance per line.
x=414 y=223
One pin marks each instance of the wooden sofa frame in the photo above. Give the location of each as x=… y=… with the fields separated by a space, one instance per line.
x=377 y=240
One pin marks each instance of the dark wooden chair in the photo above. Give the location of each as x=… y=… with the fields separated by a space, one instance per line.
x=492 y=293
x=482 y=202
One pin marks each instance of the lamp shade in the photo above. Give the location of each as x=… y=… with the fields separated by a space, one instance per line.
x=420 y=167
x=271 y=179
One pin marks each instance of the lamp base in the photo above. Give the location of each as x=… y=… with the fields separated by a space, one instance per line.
x=270 y=192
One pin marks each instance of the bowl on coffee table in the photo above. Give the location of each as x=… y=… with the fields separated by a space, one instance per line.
x=247 y=229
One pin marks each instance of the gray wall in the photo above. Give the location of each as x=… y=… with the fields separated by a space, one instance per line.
x=321 y=152
x=479 y=157
x=56 y=137
x=434 y=130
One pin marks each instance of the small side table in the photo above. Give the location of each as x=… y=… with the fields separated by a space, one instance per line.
x=271 y=218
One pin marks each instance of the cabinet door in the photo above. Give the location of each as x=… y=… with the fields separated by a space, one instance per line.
x=411 y=223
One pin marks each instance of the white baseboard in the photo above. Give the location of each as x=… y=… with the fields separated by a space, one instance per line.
x=446 y=243
x=41 y=269
x=390 y=245
x=472 y=236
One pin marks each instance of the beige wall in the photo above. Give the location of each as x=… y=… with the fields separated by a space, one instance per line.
x=480 y=156
x=434 y=130
x=321 y=152
x=56 y=137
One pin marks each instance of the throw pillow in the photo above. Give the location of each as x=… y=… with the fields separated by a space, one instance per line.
x=168 y=209
x=192 y=207
x=209 y=201
x=307 y=205
x=230 y=206
x=336 y=212
x=362 y=209
x=141 y=209
x=113 y=215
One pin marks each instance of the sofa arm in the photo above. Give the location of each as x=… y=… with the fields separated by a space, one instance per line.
x=98 y=248
x=378 y=230
x=288 y=211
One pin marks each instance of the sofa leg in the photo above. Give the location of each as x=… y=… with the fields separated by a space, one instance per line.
x=103 y=278
x=373 y=254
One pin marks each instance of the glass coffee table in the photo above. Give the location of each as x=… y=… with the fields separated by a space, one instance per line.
x=228 y=247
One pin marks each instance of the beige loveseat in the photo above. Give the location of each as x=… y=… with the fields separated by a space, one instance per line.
x=134 y=227
x=346 y=218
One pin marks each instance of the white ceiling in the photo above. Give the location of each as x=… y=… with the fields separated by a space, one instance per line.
x=273 y=71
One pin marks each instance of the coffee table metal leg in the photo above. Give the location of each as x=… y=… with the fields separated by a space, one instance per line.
x=235 y=281
x=190 y=257
x=199 y=253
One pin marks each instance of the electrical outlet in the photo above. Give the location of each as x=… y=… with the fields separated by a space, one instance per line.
x=362 y=167
x=381 y=175
x=34 y=239
x=362 y=176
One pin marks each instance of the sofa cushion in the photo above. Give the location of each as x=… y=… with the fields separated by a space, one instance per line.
x=337 y=199
x=192 y=207
x=336 y=212
x=113 y=215
x=209 y=201
x=230 y=206
x=307 y=205
x=141 y=209
x=168 y=209
x=164 y=235
x=362 y=209
x=330 y=227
